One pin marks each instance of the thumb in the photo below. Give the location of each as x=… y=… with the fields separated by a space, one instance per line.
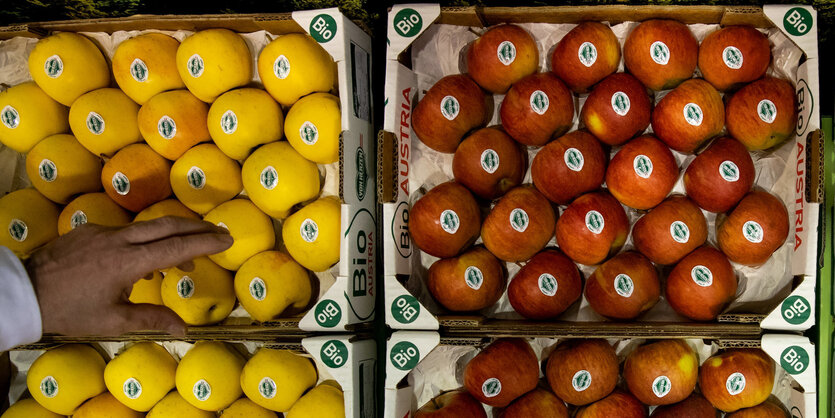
x=148 y=317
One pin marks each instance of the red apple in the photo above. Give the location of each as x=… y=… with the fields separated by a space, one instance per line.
x=642 y=173
x=619 y=404
x=662 y=372
x=689 y=115
x=452 y=107
x=586 y=55
x=661 y=53
x=701 y=284
x=502 y=56
x=720 y=176
x=670 y=231
x=624 y=287
x=538 y=403
x=767 y=409
x=582 y=371
x=469 y=282
x=617 y=109
x=519 y=225
x=569 y=166
x=452 y=404
x=737 y=378
x=537 y=108
x=695 y=406
x=489 y=163
x=756 y=228
x=546 y=286
x=734 y=55
x=592 y=228
x=445 y=221
x=762 y=114
x=502 y=372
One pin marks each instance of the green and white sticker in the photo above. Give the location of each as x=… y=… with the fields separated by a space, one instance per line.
x=195 y=65
x=334 y=354
x=132 y=388
x=405 y=309
x=701 y=275
x=581 y=380
x=506 y=52
x=795 y=360
x=659 y=52
x=281 y=67
x=620 y=103
x=642 y=166
x=450 y=221
x=624 y=285
x=309 y=230
x=49 y=387
x=796 y=310
x=573 y=159
x=408 y=23
x=753 y=232
x=539 y=102
x=10 y=117
x=491 y=387
x=473 y=277
x=404 y=355
x=166 y=127
x=735 y=383
x=767 y=111
x=490 y=160
x=732 y=57
x=258 y=289
x=450 y=107
x=202 y=390
x=18 y=230
x=53 y=66
x=693 y=114
x=328 y=313
x=308 y=133
x=185 y=287
x=47 y=170
x=519 y=219
x=269 y=177
x=661 y=386
x=547 y=284
x=77 y=219
x=595 y=222
x=323 y=28
x=95 y=123
x=229 y=122
x=139 y=70
x=587 y=54
x=196 y=178
x=267 y=388
x=680 y=232
x=120 y=183
x=729 y=171
x=798 y=21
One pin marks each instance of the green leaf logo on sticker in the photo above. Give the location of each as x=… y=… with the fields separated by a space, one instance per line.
x=450 y=221
x=735 y=384
x=95 y=123
x=680 y=232
x=642 y=165
x=450 y=107
x=767 y=111
x=573 y=159
x=405 y=309
x=624 y=285
x=53 y=67
x=258 y=289
x=132 y=388
x=334 y=354
x=539 y=102
x=661 y=386
x=798 y=21
x=139 y=71
x=196 y=178
x=267 y=388
x=166 y=127
x=620 y=103
x=404 y=355
x=581 y=380
x=795 y=360
x=185 y=287
x=729 y=171
x=309 y=230
x=229 y=122
x=195 y=65
x=328 y=313
x=701 y=275
x=49 y=387
x=732 y=57
x=506 y=52
x=489 y=160
x=595 y=222
x=47 y=170
x=659 y=53
x=202 y=390
x=77 y=219
x=519 y=219
x=587 y=54
x=491 y=387
x=308 y=133
x=323 y=28
x=473 y=277
x=693 y=114
x=120 y=183
x=281 y=67
x=796 y=310
x=408 y=23
x=753 y=232
x=10 y=117
x=18 y=230
x=547 y=284
x=269 y=177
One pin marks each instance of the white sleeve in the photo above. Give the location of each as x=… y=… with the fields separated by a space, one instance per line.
x=20 y=315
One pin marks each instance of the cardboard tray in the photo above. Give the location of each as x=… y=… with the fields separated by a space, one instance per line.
x=406 y=22
x=351 y=300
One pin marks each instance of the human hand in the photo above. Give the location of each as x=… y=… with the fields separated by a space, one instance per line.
x=83 y=279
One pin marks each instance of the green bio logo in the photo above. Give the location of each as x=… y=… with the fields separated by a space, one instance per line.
x=701 y=275
x=450 y=107
x=620 y=103
x=95 y=123
x=49 y=387
x=267 y=388
x=539 y=102
x=661 y=386
x=519 y=219
x=202 y=390
x=797 y=21
x=489 y=160
x=794 y=360
x=587 y=54
x=732 y=57
x=796 y=310
x=139 y=71
x=132 y=388
x=362 y=174
x=53 y=67
x=680 y=232
x=450 y=221
x=547 y=284
x=506 y=52
x=735 y=384
x=18 y=230
x=281 y=67
x=404 y=356
x=491 y=387
x=195 y=66
x=573 y=159
x=47 y=170
x=767 y=111
x=328 y=313
x=309 y=230
x=308 y=133
x=77 y=219
x=10 y=117
x=196 y=178
x=269 y=177
x=334 y=354
x=693 y=114
x=258 y=289
x=185 y=287
x=659 y=52
x=753 y=232
x=642 y=166
x=581 y=380
x=229 y=122
x=408 y=23
x=166 y=127
x=323 y=28
x=624 y=285
x=595 y=222
x=120 y=183
x=405 y=309
x=473 y=277
x=729 y=171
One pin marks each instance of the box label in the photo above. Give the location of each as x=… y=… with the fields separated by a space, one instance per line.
x=323 y=28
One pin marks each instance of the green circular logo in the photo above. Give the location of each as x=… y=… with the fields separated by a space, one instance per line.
x=405 y=309
x=519 y=219
x=195 y=65
x=573 y=159
x=450 y=221
x=258 y=289
x=53 y=66
x=408 y=23
x=489 y=161
x=202 y=390
x=595 y=222
x=701 y=275
x=120 y=183
x=680 y=232
x=404 y=356
x=729 y=171
x=642 y=166
x=620 y=103
x=309 y=230
x=323 y=28
x=732 y=57
x=328 y=313
x=506 y=52
x=547 y=284
x=49 y=387
x=661 y=386
x=624 y=285
x=47 y=170
x=767 y=111
x=185 y=287
x=196 y=178
x=753 y=232
x=78 y=218
x=491 y=387
x=581 y=380
x=587 y=54
x=132 y=388
x=450 y=107
x=18 y=230
x=269 y=177
x=229 y=122
x=166 y=127
x=796 y=310
x=139 y=71
x=10 y=117
x=798 y=21
x=794 y=359
x=735 y=384
x=334 y=354
x=281 y=67
x=267 y=388
x=659 y=52
x=693 y=114
x=473 y=277
x=95 y=123
x=308 y=133
x=539 y=102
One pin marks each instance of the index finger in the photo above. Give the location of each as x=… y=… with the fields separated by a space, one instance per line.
x=166 y=227
x=177 y=250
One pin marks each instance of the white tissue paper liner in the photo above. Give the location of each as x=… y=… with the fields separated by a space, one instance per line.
x=440 y=51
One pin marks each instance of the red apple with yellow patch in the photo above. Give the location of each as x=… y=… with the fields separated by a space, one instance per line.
x=737 y=378
x=489 y=163
x=582 y=371
x=661 y=53
x=662 y=372
x=569 y=166
x=545 y=286
x=445 y=221
x=452 y=107
x=503 y=371
x=619 y=404
x=734 y=55
x=701 y=284
x=452 y=404
x=536 y=403
x=756 y=228
x=592 y=228
x=720 y=176
x=469 y=282
x=695 y=406
x=762 y=114
x=502 y=56
x=586 y=55
x=670 y=231
x=624 y=287
x=537 y=108
x=642 y=173
x=519 y=225
x=689 y=115
x=617 y=109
